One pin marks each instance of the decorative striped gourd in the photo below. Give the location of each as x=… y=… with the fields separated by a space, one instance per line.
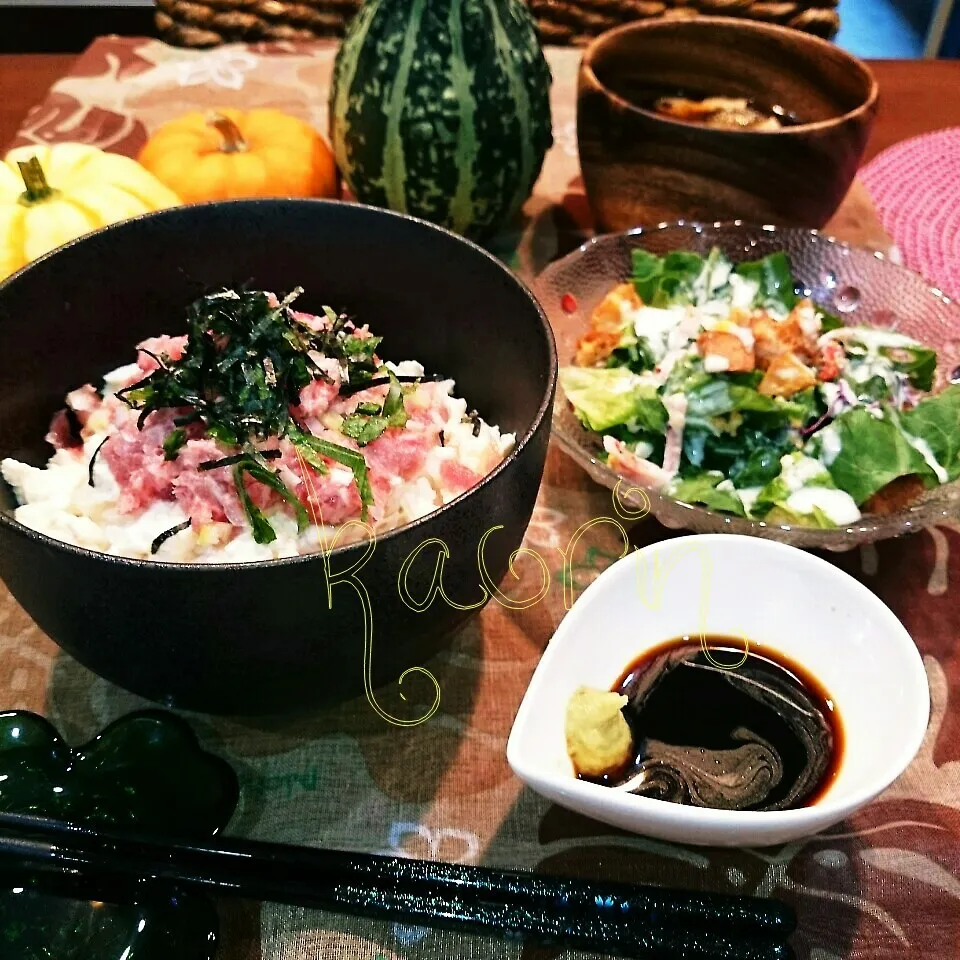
x=441 y=109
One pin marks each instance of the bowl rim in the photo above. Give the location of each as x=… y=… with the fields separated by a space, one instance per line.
x=596 y=47
x=544 y=410
x=698 y=226
x=771 y=820
x=835 y=538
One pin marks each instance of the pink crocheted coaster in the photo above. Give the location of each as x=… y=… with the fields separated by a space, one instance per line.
x=916 y=188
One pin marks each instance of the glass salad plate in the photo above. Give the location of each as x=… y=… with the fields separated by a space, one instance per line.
x=858 y=287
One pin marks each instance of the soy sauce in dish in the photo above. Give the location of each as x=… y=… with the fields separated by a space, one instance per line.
x=764 y=735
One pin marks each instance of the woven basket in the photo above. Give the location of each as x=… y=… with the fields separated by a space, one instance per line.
x=207 y=23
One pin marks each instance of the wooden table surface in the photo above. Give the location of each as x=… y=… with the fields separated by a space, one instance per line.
x=916 y=96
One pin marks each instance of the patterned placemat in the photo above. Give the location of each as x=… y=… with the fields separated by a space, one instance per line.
x=121 y=89
x=916 y=187
x=883 y=885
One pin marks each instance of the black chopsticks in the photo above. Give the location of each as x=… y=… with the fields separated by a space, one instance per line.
x=647 y=923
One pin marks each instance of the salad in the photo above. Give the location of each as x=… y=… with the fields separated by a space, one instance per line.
x=718 y=384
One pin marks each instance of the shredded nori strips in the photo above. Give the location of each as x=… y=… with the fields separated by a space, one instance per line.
x=167 y=534
x=349 y=388
x=93 y=460
x=246 y=361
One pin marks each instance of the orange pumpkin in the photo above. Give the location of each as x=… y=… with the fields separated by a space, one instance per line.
x=228 y=154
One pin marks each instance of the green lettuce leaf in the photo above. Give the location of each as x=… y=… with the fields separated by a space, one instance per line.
x=774 y=277
x=872 y=390
x=679 y=277
x=936 y=421
x=816 y=518
x=828 y=321
x=613 y=396
x=719 y=395
x=662 y=281
x=750 y=457
x=633 y=353
x=702 y=488
x=647 y=273
x=757 y=467
x=686 y=277
x=738 y=431
x=874 y=452
x=909 y=357
x=777 y=492
x=918 y=363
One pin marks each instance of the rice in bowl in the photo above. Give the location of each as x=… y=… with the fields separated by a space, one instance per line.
x=264 y=433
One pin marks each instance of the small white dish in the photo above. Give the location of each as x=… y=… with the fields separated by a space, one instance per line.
x=782 y=600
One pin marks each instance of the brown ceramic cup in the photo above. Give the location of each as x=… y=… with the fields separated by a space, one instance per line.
x=643 y=168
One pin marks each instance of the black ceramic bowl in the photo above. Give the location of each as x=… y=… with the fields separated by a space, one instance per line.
x=261 y=637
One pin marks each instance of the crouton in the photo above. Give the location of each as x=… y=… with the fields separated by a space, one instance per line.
x=606 y=326
x=595 y=346
x=786 y=375
x=773 y=338
x=722 y=344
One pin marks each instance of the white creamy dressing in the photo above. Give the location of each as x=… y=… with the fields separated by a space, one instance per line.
x=680 y=344
x=797 y=472
x=649 y=379
x=713 y=277
x=923 y=448
x=830 y=444
x=667 y=333
x=643 y=449
x=655 y=324
x=873 y=363
x=809 y=320
x=837 y=505
x=861 y=369
x=670 y=332
x=831 y=396
x=748 y=496
x=715 y=363
x=624 y=384
x=871 y=338
x=742 y=291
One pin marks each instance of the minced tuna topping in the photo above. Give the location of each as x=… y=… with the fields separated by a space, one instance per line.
x=261 y=433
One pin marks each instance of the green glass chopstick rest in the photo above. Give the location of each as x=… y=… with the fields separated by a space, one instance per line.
x=145 y=771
